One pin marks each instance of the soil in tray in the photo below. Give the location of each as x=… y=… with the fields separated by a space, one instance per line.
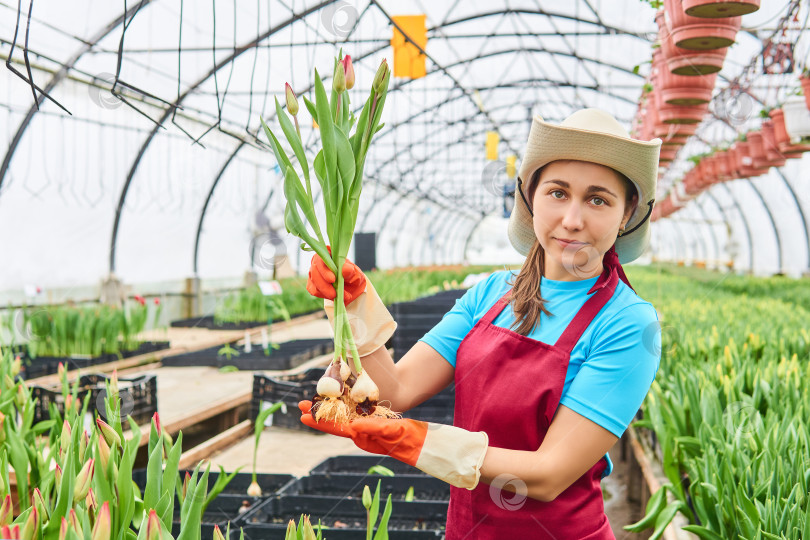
x=290 y=354
x=361 y=465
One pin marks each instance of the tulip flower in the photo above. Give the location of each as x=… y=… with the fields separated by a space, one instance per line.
x=156 y=420
x=6 y=511
x=101 y=531
x=90 y=501
x=348 y=71
x=9 y=532
x=379 y=77
x=307 y=530
x=75 y=524
x=39 y=503
x=21 y=397
x=60 y=370
x=2 y=431
x=84 y=440
x=16 y=366
x=339 y=80
x=109 y=434
x=366 y=497
x=292 y=105
x=152 y=526
x=31 y=526
x=58 y=473
x=103 y=453
x=83 y=481
x=218 y=534
x=64 y=440
x=291 y=530
x=63 y=529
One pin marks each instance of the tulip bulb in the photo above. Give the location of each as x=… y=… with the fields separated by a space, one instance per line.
x=254 y=490
x=365 y=389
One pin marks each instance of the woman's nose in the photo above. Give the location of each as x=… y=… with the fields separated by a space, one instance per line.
x=572 y=219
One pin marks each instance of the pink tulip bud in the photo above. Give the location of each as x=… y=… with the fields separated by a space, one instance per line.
x=109 y=434
x=31 y=526
x=63 y=529
x=218 y=534
x=90 y=501
x=6 y=511
x=68 y=403
x=152 y=526
x=10 y=532
x=83 y=481
x=309 y=532
x=156 y=420
x=292 y=100
x=39 y=503
x=60 y=369
x=101 y=531
x=58 y=474
x=103 y=453
x=348 y=70
x=185 y=486
x=157 y=301
x=74 y=523
x=84 y=440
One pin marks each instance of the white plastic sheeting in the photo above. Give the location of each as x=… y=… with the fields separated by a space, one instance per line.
x=492 y=65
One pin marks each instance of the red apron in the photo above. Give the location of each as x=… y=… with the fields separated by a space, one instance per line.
x=510 y=386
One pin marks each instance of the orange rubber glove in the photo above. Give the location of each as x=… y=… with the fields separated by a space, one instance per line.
x=321 y=280
x=448 y=453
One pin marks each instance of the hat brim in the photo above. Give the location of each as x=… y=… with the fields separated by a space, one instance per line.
x=637 y=160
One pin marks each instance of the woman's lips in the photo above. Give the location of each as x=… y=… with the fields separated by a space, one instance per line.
x=569 y=243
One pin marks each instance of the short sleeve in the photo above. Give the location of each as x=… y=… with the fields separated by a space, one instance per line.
x=621 y=365
x=447 y=335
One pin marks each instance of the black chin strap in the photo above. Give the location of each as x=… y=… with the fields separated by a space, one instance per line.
x=640 y=223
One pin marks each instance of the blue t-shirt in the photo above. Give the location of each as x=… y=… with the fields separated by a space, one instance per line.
x=612 y=365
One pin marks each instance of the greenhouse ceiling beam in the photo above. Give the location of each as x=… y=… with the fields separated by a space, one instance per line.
x=225 y=61
x=205 y=208
x=773 y=223
x=799 y=208
x=745 y=224
x=57 y=78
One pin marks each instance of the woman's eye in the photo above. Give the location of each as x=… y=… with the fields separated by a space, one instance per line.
x=599 y=201
x=556 y=192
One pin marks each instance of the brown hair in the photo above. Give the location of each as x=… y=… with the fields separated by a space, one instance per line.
x=527 y=302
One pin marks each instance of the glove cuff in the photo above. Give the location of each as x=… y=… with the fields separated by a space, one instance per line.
x=453 y=455
x=371 y=323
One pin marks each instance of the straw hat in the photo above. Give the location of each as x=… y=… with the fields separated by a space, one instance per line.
x=590 y=135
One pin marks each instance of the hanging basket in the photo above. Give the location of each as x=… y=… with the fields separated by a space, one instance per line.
x=782 y=139
x=669 y=153
x=745 y=161
x=680 y=114
x=771 y=147
x=805 y=80
x=686 y=62
x=672 y=133
x=698 y=33
x=719 y=8
x=721 y=166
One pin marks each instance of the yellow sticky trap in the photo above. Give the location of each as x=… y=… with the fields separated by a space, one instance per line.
x=492 y=145
x=408 y=60
x=510 y=166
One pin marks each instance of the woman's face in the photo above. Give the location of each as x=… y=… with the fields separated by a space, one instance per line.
x=578 y=208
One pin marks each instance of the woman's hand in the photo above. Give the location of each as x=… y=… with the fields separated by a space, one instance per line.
x=320 y=282
x=448 y=453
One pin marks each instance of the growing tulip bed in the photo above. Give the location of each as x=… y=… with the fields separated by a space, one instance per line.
x=730 y=404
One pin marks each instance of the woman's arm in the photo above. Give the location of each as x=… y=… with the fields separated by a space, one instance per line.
x=571 y=447
x=419 y=375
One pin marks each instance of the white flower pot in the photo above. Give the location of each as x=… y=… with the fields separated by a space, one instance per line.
x=797 y=118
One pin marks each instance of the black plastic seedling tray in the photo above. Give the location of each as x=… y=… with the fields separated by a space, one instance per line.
x=270 y=483
x=290 y=354
x=344 y=517
x=425 y=488
x=48 y=365
x=338 y=465
x=207 y=321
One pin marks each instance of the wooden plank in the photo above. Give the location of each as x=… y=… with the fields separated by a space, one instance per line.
x=225 y=439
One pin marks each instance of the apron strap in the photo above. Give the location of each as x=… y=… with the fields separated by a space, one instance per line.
x=587 y=312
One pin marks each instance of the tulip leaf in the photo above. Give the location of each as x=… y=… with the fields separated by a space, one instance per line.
x=311 y=108
x=665 y=517
x=154 y=477
x=382 y=530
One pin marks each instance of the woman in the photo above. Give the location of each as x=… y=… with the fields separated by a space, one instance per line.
x=550 y=367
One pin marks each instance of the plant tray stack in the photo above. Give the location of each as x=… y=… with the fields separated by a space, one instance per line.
x=138 y=397
x=287 y=388
x=333 y=492
x=48 y=365
x=415 y=318
x=290 y=354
